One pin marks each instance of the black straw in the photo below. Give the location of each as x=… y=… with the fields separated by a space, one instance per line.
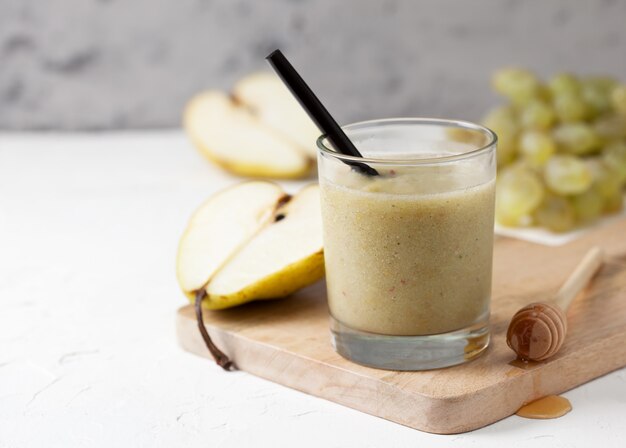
x=316 y=110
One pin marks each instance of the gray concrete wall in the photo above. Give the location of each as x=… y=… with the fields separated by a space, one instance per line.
x=99 y=64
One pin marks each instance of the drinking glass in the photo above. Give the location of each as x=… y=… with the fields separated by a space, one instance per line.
x=408 y=251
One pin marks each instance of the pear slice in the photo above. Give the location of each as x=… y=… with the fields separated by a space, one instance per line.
x=251 y=241
x=286 y=255
x=219 y=228
x=230 y=135
x=276 y=107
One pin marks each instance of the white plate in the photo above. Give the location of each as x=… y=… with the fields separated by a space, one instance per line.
x=548 y=238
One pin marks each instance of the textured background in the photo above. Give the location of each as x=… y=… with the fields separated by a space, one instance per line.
x=99 y=64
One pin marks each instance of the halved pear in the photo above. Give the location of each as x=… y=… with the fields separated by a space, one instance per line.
x=286 y=255
x=252 y=241
x=230 y=135
x=219 y=228
x=276 y=107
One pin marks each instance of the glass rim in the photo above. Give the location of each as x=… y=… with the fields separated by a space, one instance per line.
x=461 y=124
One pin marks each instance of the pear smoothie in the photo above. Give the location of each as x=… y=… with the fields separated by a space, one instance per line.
x=403 y=258
x=408 y=251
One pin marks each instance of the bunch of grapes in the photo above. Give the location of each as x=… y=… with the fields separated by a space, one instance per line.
x=561 y=149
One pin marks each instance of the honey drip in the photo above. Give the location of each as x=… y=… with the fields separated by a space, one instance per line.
x=522 y=364
x=551 y=406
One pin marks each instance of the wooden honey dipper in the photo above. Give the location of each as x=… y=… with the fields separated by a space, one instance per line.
x=537 y=331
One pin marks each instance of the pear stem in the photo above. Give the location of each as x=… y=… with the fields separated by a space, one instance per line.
x=220 y=357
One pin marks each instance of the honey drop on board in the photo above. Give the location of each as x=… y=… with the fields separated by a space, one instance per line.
x=551 y=406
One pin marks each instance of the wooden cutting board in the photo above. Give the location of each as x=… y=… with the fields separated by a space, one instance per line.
x=288 y=342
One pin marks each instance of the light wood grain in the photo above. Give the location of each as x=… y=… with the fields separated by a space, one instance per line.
x=288 y=342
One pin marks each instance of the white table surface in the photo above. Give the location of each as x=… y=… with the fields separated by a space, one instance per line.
x=89 y=226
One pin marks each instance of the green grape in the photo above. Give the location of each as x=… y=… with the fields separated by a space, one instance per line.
x=543 y=94
x=618 y=99
x=576 y=138
x=614 y=156
x=567 y=175
x=537 y=115
x=604 y=83
x=605 y=180
x=555 y=213
x=501 y=115
x=596 y=91
x=610 y=127
x=596 y=98
x=519 y=85
x=614 y=203
x=518 y=192
x=503 y=122
x=504 y=218
x=563 y=83
x=569 y=107
x=522 y=164
x=506 y=151
x=588 y=205
x=536 y=148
